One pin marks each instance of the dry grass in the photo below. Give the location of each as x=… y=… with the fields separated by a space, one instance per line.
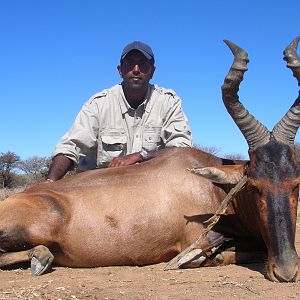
x=4 y=193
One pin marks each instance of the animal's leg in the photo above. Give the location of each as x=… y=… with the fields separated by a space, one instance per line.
x=40 y=256
x=197 y=257
x=232 y=257
x=193 y=259
x=228 y=252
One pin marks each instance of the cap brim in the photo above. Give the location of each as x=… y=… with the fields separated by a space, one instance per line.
x=146 y=54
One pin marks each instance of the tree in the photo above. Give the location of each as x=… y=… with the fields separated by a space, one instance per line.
x=235 y=156
x=8 y=162
x=35 y=166
x=209 y=149
x=215 y=151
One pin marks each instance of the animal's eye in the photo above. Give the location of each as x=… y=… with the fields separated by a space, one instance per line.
x=255 y=185
x=253 y=182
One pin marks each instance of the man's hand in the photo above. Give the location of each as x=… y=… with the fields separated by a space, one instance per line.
x=126 y=160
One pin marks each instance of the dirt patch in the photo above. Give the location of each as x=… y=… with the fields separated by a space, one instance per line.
x=150 y=282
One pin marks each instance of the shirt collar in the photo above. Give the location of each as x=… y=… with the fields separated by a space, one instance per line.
x=125 y=105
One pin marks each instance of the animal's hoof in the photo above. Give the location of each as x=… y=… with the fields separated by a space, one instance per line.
x=193 y=259
x=41 y=260
x=37 y=268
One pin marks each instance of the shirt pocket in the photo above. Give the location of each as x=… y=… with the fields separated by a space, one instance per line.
x=182 y=127
x=152 y=138
x=112 y=143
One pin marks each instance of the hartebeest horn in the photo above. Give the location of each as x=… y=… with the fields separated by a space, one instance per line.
x=285 y=130
x=254 y=132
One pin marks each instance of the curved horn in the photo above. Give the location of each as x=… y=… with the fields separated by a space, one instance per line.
x=254 y=132
x=285 y=130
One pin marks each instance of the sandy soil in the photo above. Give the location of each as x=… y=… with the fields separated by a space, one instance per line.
x=150 y=282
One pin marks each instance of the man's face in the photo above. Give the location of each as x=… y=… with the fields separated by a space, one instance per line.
x=136 y=70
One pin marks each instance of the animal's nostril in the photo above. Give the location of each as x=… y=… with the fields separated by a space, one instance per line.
x=285 y=276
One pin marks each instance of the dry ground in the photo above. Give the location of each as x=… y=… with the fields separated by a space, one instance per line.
x=150 y=282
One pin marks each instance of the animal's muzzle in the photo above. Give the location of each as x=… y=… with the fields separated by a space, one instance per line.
x=286 y=271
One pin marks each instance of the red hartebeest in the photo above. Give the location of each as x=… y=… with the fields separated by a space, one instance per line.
x=147 y=213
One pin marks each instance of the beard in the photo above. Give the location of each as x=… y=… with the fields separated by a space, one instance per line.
x=135 y=85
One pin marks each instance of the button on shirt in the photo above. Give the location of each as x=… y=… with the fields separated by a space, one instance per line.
x=107 y=127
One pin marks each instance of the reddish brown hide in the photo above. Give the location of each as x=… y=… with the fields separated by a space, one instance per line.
x=148 y=213
x=137 y=215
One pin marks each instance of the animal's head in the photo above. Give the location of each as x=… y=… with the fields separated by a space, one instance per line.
x=273 y=170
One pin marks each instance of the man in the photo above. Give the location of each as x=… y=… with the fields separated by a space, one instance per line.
x=125 y=124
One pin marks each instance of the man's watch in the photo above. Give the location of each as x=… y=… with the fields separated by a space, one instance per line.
x=144 y=154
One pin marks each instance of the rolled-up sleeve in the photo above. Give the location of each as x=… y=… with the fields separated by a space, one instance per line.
x=176 y=130
x=82 y=136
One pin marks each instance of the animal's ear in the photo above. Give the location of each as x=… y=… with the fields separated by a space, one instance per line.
x=222 y=174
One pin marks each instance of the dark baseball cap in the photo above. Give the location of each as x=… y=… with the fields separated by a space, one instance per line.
x=140 y=46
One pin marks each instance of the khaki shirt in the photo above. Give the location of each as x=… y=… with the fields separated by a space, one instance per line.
x=107 y=127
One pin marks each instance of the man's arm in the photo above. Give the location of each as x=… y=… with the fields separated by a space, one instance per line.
x=77 y=142
x=59 y=167
x=176 y=131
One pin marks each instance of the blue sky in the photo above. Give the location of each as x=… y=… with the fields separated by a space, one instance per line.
x=56 y=54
